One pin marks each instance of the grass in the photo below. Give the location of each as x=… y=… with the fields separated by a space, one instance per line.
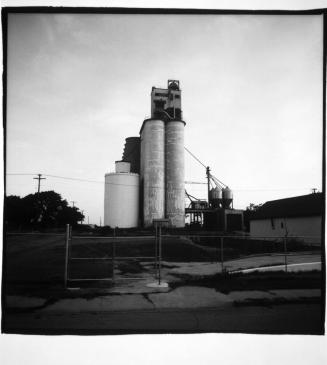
x=226 y=283
x=235 y=247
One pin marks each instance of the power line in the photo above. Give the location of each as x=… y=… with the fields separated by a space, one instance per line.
x=195 y=182
x=154 y=187
x=21 y=174
x=74 y=179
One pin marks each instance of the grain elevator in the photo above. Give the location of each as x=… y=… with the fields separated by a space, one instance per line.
x=149 y=180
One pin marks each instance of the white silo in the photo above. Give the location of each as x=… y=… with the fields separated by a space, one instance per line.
x=175 y=185
x=152 y=170
x=121 y=198
x=122 y=166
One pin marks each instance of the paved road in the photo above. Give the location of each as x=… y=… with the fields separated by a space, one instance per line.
x=296 y=318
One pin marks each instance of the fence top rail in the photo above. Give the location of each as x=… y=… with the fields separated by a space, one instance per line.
x=112 y=237
x=238 y=236
x=33 y=234
x=152 y=236
x=116 y=258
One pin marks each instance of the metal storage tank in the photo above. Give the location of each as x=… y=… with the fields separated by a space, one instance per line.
x=152 y=170
x=216 y=196
x=121 y=200
x=175 y=185
x=227 y=197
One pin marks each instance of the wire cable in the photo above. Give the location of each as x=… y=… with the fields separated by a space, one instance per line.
x=195 y=157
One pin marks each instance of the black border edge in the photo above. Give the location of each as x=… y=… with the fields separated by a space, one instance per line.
x=133 y=10
x=4 y=25
x=157 y=11
x=323 y=226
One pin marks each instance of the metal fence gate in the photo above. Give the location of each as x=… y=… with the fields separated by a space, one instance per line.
x=109 y=253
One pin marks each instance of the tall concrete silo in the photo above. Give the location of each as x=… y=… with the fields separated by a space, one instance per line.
x=121 y=197
x=174 y=169
x=152 y=170
x=162 y=158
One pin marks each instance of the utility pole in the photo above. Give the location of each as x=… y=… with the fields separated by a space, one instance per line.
x=208 y=177
x=39 y=183
x=73 y=203
x=314 y=190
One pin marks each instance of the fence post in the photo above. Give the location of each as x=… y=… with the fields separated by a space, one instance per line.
x=67 y=238
x=222 y=253
x=285 y=253
x=156 y=249
x=159 y=271
x=113 y=260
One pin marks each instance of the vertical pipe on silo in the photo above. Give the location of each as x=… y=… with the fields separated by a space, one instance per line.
x=153 y=170
x=175 y=186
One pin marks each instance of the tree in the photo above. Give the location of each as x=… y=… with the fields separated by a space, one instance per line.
x=253 y=207
x=45 y=210
x=13 y=212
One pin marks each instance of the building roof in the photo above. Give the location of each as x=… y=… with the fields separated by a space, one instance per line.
x=299 y=206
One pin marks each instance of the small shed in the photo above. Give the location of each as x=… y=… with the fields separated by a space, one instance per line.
x=299 y=216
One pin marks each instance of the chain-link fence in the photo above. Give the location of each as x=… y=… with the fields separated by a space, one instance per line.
x=258 y=253
x=114 y=259
x=44 y=261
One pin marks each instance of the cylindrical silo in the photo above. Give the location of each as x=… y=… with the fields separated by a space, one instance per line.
x=132 y=153
x=175 y=185
x=122 y=166
x=152 y=170
x=216 y=197
x=121 y=200
x=227 y=197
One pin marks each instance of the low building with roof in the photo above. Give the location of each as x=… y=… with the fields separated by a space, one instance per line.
x=299 y=216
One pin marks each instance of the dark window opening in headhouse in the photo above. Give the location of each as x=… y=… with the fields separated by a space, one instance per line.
x=281 y=225
x=174 y=113
x=178 y=114
x=161 y=94
x=170 y=111
x=159 y=104
x=177 y=97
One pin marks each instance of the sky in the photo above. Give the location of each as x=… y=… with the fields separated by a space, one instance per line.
x=78 y=85
x=306 y=41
